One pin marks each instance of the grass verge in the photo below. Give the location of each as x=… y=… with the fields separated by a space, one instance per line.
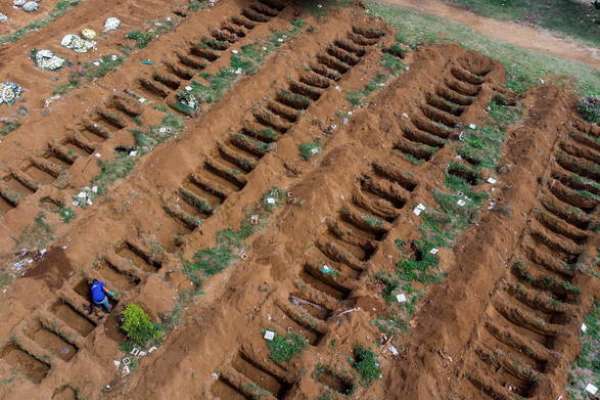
x=586 y=368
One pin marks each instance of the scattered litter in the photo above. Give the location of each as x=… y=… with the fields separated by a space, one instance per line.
x=405 y=115
x=126 y=360
x=461 y=136
x=85 y=197
x=142 y=354
x=271 y=200
x=238 y=71
x=111 y=24
x=188 y=99
x=9 y=92
x=152 y=349
x=401 y=298
x=234 y=51
x=47 y=60
x=461 y=203
x=215 y=376
x=583 y=328
x=492 y=205
x=319 y=5
x=88 y=34
x=419 y=209
x=315 y=150
x=243 y=255
x=269 y=335
x=327 y=270
x=19 y=3
x=393 y=350
x=3 y=18
x=147 y=62
x=338 y=88
x=117 y=363
x=472 y=126
x=491 y=180
x=77 y=44
x=254 y=219
x=590 y=388
x=97 y=155
x=188 y=88
x=31 y=6
x=125 y=371
x=135 y=351
x=133 y=153
x=434 y=251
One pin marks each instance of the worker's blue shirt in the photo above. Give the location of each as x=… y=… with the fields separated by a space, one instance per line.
x=98 y=292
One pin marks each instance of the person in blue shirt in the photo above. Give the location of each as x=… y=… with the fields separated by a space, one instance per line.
x=98 y=293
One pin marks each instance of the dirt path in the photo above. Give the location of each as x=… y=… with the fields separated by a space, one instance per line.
x=519 y=35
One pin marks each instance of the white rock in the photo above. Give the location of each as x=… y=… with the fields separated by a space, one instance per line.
x=269 y=335
x=111 y=24
x=19 y=3
x=590 y=388
x=401 y=298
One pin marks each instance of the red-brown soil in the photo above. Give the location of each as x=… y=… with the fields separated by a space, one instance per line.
x=492 y=328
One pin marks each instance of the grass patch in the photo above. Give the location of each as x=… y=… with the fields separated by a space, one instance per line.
x=5 y=279
x=66 y=214
x=143 y=38
x=365 y=362
x=59 y=10
x=113 y=170
x=284 y=348
x=589 y=108
x=524 y=67
x=309 y=150
x=567 y=18
x=586 y=368
x=138 y=327
x=8 y=127
x=37 y=235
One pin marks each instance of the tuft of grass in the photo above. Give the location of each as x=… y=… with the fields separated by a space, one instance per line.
x=66 y=214
x=284 y=348
x=8 y=127
x=105 y=65
x=113 y=170
x=365 y=362
x=589 y=108
x=586 y=369
x=138 y=326
x=524 y=67
x=66 y=87
x=309 y=150
x=36 y=235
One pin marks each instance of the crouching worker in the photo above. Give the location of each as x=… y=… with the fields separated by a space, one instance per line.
x=99 y=294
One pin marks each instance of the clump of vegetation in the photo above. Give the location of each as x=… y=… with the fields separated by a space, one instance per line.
x=66 y=214
x=589 y=108
x=586 y=368
x=138 y=326
x=284 y=348
x=113 y=170
x=8 y=126
x=365 y=362
x=36 y=235
x=309 y=150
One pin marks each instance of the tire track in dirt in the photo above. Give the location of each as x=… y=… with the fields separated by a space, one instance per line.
x=523 y=343
x=65 y=161
x=310 y=301
x=132 y=262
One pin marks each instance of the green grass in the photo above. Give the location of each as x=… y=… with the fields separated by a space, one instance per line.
x=524 y=68
x=589 y=108
x=284 y=348
x=8 y=126
x=365 y=362
x=37 y=235
x=567 y=18
x=113 y=170
x=138 y=326
x=5 y=279
x=309 y=150
x=66 y=214
x=59 y=10
x=586 y=368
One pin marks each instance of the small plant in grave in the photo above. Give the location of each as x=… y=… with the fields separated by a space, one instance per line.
x=372 y=220
x=309 y=150
x=285 y=347
x=273 y=198
x=66 y=214
x=8 y=126
x=365 y=362
x=589 y=108
x=138 y=326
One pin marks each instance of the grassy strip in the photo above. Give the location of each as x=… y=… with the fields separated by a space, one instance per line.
x=8 y=127
x=285 y=347
x=586 y=368
x=365 y=362
x=244 y=62
x=457 y=208
x=524 y=68
x=230 y=243
x=568 y=18
x=59 y=10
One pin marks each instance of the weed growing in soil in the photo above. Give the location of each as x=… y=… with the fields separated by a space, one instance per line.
x=197 y=5
x=309 y=150
x=586 y=368
x=143 y=38
x=524 y=68
x=66 y=214
x=8 y=127
x=589 y=108
x=60 y=9
x=365 y=362
x=229 y=242
x=5 y=279
x=36 y=235
x=113 y=170
x=245 y=62
x=138 y=326
x=284 y=348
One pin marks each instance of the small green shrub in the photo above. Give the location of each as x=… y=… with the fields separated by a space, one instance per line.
x=308 y=150
x=142 y=39
x=284 y=348
x=589 y=108
x=138 y=326
x=367 y=365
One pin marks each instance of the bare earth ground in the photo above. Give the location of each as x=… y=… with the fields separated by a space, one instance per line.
x=502 y=322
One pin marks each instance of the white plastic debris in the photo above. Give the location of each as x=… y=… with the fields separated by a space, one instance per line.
x=393 y=350
x=9 y=92
x=314 y=150
x=271 y=200
x=326 y=269
x=135 y=351
x=111 y=24
x=592 y=389
x=117 y=363
x=238 y=71
x=461 y=203
x=215 y=376
x=234 y=51
x=434 y=251
x=142 y=354
x=152 y=349
x=47 y=60
x=583 y=328
x=401 y=298
x=125 y=371
x=472 y=126
x=254 y=219
x=77 y=44
x=419 y=209
x=97 y=155
x=126 y=360
x=3 y=18
x=405 y=115
x=31 y=6
x=88 y=34
x=269 y=335
x=491 y=180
